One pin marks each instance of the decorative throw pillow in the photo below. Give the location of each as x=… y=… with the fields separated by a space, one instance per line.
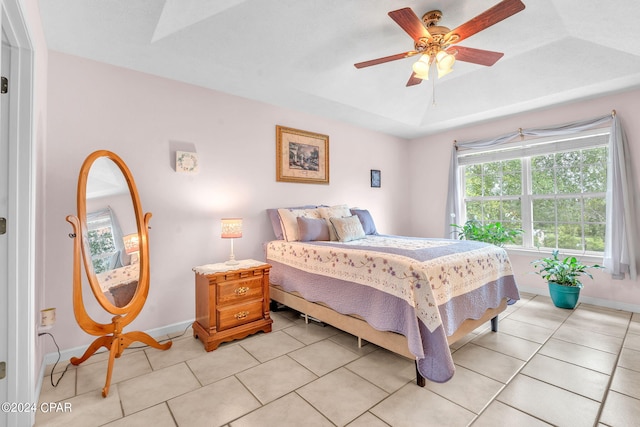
x=310 y=229
x=276 y=224
x=348 y=229
x=288 y=218
x=337 y=211
x=367 y=221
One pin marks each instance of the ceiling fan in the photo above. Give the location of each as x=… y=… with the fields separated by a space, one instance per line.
x=434 y=42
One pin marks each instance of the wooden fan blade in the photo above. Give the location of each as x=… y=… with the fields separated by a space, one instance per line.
x=476 y=56
x=413 y=80
x=409 y=22
x=385 y=59
x=491 y=16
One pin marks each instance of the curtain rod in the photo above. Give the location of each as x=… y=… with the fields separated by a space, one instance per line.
x=455 y=141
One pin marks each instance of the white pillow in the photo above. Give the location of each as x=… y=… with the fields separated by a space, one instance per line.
x=348 y=229
x=337 y=211
x=289 y=220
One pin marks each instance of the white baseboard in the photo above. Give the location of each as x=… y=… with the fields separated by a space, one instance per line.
x=616 y=305
x=66 y=354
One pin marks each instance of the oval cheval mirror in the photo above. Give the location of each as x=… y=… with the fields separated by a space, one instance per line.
x=111 y=240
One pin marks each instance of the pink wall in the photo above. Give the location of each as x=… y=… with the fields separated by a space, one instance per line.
x=429 y=163
x=140 y=117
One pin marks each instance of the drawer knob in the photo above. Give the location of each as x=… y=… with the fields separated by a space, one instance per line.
x=241 y=315
x=242 y=290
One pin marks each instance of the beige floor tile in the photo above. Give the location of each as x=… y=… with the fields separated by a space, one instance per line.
x=487 y=362
x=462 y=341
x=500 y=415
x=275 y=378
x=156 y=416
x=269 y=346
x=350 y=342
x=597 y=360
x=524 y=330
x=148 y=390
x=548 y=403
x=221 y=363
x=181 y=350
x=632 y=341
x=507 y=344
x=280 y=321
x=546 y=318
x=620 y=410
x=213 y=405
x=311 y=332
x=367 y=420
x=323 y=357
x=457 y=389
x=384 y=369
x=584 y=336
x=288 y=411
x=626 y=381
x=602 y=323
x=413 y=406
x=89 y=409
x=577 y=379
x=634 y=327
x=342 y=396
x=65 y=388
x=93 y=376
x=630 y=359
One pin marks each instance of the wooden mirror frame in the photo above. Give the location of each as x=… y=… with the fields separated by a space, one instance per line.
x=110 y=334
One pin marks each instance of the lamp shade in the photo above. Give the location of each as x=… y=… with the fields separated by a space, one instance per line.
x=231 y=228
x=421 y=67
x=131 y=243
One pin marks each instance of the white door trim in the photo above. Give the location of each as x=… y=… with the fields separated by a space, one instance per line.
x=21 y=369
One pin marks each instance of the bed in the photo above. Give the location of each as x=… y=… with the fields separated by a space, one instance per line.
x=412 y=296
x=121 y=283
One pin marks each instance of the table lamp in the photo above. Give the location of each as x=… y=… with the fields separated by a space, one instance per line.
x=132 y=246
x=231 y=229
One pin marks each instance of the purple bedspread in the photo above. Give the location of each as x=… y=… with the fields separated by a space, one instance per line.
x=387 y=312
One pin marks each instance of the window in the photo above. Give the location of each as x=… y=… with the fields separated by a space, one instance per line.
x=553 y=189
x=102 y=243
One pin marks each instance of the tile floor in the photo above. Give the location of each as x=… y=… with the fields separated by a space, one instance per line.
x=546 y=366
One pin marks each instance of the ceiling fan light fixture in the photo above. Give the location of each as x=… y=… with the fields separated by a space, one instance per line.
x=421 y=67
x=444 y=63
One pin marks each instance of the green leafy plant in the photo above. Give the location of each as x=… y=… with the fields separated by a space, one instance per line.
x=565 y=271
x=492 y=232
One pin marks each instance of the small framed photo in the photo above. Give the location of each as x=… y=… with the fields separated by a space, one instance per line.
x=375 y=178
x=301 y=156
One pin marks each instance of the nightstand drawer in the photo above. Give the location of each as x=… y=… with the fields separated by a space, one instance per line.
x=238 y=291
x=229 y=317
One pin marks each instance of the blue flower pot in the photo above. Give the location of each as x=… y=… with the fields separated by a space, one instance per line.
x=564 y=296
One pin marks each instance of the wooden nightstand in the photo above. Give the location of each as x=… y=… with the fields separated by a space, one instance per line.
x=232 y=301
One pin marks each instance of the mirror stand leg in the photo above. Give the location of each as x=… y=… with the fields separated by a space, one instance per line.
x=145 y=339
x=113 y=353
x=104 y=341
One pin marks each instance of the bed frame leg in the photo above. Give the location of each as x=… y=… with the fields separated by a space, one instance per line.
x=420 y=381
x=494 y=324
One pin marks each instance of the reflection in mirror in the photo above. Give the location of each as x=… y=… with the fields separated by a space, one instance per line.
x=109 y=205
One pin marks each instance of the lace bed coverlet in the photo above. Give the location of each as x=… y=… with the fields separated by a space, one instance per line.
x=421 y=288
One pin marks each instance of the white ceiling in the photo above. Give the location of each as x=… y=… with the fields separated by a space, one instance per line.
x=300 y=54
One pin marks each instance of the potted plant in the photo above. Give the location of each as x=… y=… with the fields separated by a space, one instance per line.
x=563 y=277
x=492 y=232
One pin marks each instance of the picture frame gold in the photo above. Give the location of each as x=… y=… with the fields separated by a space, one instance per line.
x=301 y=156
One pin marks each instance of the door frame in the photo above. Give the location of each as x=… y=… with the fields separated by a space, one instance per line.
x=21 y=324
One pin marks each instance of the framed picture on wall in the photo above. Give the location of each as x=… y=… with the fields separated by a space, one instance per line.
x=375 y=178
x=301 y=156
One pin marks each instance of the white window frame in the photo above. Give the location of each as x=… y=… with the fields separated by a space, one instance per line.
x=525 y=150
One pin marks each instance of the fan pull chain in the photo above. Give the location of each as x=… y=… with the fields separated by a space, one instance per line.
x=433 y=85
